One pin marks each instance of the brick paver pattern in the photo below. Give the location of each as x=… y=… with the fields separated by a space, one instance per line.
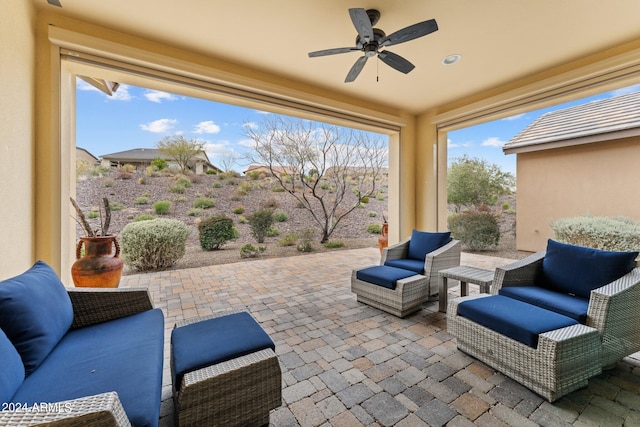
x=347 y=364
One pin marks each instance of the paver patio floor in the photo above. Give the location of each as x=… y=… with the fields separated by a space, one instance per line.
x=347 y=364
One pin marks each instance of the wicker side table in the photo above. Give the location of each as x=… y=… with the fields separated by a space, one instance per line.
x=466 y=275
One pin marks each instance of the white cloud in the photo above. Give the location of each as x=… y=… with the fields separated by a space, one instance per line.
x=207 y=127
x=249 y=143
x=467 y=144
x=159 y=96
x=159 y=126
x=516 y=117
x=250 y=125
x=494 y=141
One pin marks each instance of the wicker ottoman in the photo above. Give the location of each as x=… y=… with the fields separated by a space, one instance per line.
x=224 y=371
x=399 y=292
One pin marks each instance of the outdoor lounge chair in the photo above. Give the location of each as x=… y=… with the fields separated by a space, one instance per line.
x=557 y=320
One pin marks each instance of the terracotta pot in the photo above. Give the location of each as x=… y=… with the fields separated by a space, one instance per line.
x=383 y=240
x=98 y=268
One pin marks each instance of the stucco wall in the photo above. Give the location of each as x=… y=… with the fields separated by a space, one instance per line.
x=17 y=70
x=599 y=179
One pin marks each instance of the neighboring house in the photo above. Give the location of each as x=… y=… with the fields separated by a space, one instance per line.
x=142 y=157
x=82 y=154
x=577 y=161
x=265 y=170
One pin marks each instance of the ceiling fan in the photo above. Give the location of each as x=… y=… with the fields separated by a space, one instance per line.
x=373 y=41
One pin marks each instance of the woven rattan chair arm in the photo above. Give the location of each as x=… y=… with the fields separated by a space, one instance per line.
x=101 y=410
x=519 y=273
x=93 y=305
x=447 y=256
x=397 y=251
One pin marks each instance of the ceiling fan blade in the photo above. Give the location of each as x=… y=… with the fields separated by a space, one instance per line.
x=332 y=51
x=409 y=33
x=355 y=70
x=396 y=61
x=362 y=23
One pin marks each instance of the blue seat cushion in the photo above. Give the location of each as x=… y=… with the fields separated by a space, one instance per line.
x=12 y=370
x=35 y=312
x=578 y=270
x=423 y=242
x=515 y=319
x=123 y=355
x=407 y=264
x=216 y=340
x=383 y=275
x=568 y=305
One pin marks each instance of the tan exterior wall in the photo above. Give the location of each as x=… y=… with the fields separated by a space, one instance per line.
x=597 y=179
x=17 y=136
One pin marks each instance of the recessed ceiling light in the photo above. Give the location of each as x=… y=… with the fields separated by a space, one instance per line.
x=451 y=59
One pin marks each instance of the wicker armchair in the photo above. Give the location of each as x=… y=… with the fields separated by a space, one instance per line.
x=442 y=258
x=566 y=358
x=90 y=306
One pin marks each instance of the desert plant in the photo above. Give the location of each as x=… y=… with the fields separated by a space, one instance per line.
x=217 y=185
x=373 y=214
x=162 y=207
x=116 y=206
x=270 y=203
x=273 y=231
x=280 y=216
x=243 y=220
x=155 y=244
x=260 y=222
x=177 y=188
x=278 y=189
x=127 y=168
x=304 y=241
x=289 y=239
x=238 y=210
x=108 y=182
x=150 y=171
x=142 y=180
x=202 y=202
x=144 y=217
x=249 y=251
x=159 y=164
x=606 y=233
x=195 y=212
x=364 y=199
x=374 y=228
x=334 y=245
x=477 y=230
x=142 y=200
x=93 y=214
x=216 y=231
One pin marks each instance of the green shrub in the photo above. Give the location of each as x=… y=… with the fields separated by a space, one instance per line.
x=304 y=242
x=243 y=219
x=128 y=168
x=248 y=250
x=334 y=245
x=142 y=200
x=273 y=231
x=270 y=203
x=278 y=189
x=364 y=199
x=606 y=233
x=203 y=203
x=374 y=228
x=184 y=181
x=211 y=172
x=380 y=196
x=159 y=164
x=217 y=185
x=238 y=210
x=289 y=239
x=216 y=231
x=506 y=206
x=177 y=188
x=153 y=245
x=477 y=230
x=280 y=216
x=324 y=185
x=260 y=222
x=180 y=199
x=162 y=207
x=116 y=206
x=195 y=212
x=93 y=214
x=144 y=217
x=108 y=182
x=373 y=214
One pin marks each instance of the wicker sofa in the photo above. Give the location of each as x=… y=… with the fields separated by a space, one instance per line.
x=600 y=326
x=76 y=357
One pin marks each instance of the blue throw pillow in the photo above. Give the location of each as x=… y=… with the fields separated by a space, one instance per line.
x=12 y=370
x=578 y=270
x=35 y=313
x=423 y=242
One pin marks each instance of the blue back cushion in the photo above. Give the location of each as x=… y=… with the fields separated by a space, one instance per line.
x=422 y=243
x=568 y=305
x=578 y=270
x=383 y=275
x=516 y=319
x=123 y=355
x=35 y=312
x=11 y=371
x=216 y=340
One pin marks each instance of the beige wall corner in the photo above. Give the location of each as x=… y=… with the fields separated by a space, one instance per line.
x=402 y=166
x=17 y=133
x=429 y=165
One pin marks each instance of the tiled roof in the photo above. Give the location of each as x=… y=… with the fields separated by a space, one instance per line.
x=591 y=122
x=143 y=154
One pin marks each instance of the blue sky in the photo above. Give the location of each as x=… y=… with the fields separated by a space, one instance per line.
x=138 y=118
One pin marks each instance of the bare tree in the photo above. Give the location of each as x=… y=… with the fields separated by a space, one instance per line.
x=320 y=165
x=182 y=150
x=227 y=160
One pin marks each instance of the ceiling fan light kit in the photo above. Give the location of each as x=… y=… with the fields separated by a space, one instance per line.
x=451 y=59
x=373 y=42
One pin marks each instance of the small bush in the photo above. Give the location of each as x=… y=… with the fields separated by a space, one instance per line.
x=203 y=203
x=153 y=245
x=280 y=216
x=304 y=242
x=324 y=185
x=195 y=212
x=269 y=203
x=93 y=214
x=364 y=199
x=116 y=206
x=142 y=180
x=380 y=196
x=506 y=206
x=128 y=168
x=184 y=181
x=180 y=199
x=289 y=239
x=144 y=217
x=150 y=171
x=278 y=189
x=216 y=231
x=108 y=183
x=260 y=222
x=123 y=175
x=374 y=228
x=162 y=207
x=249 y=251
x=243 y=220
x=177 y=188
x=159 y=164
x=606 y=233
x=334 y=245
x=373 y=214
x=238 y=210
x=273 y=231
x=477 y=230
x=211 y=172
x=217 y=185
x=142 y=200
